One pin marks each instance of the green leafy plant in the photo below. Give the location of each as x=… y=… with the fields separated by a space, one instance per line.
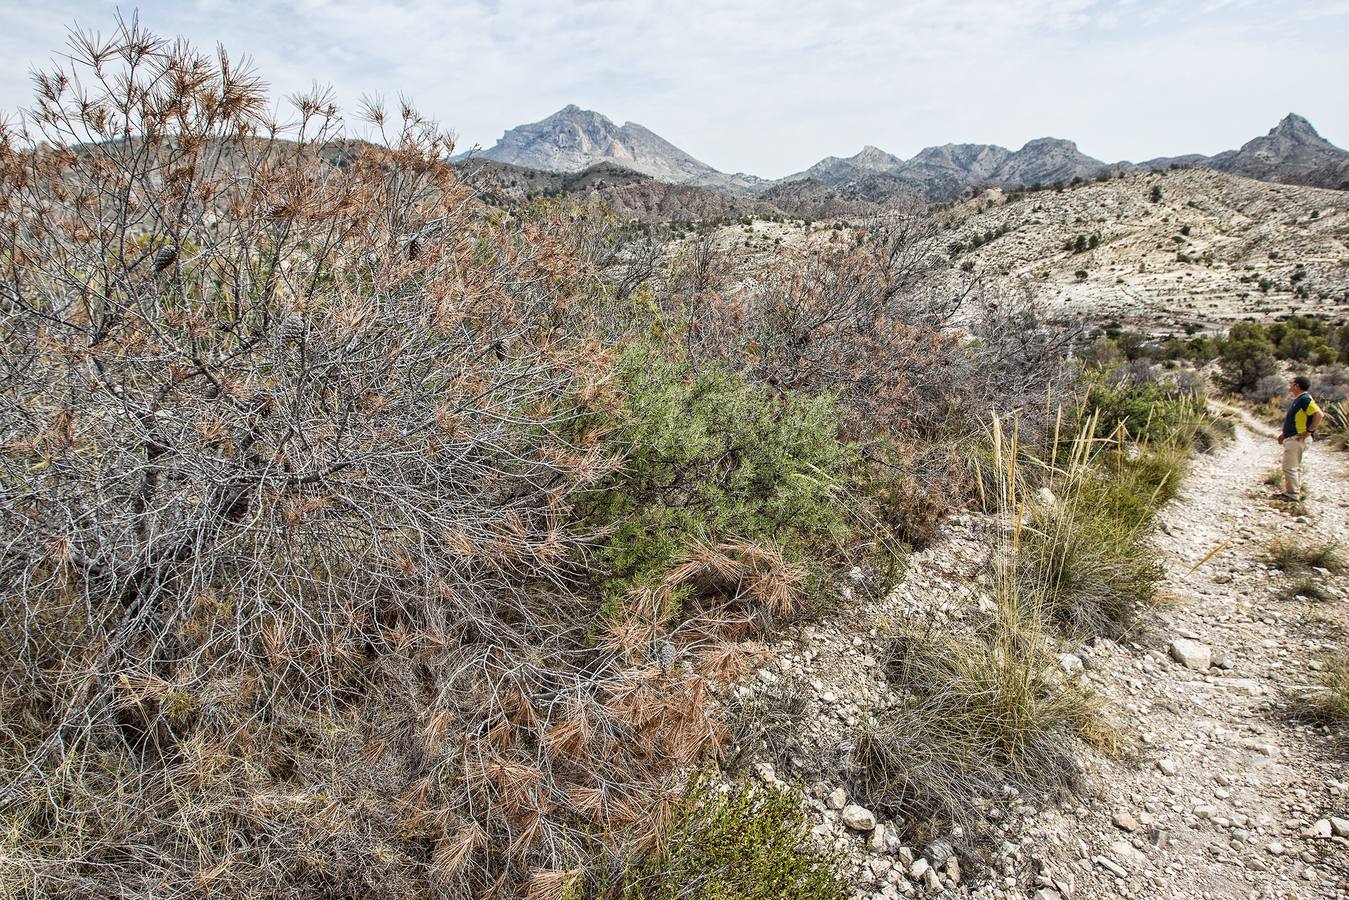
x=744 y=843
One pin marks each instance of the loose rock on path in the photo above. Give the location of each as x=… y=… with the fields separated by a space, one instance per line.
x=1221 y=792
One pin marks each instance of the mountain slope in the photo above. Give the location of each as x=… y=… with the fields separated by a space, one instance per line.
x=1211 y=248
x=941 y=173
x=1292 y=152
x=573 y=139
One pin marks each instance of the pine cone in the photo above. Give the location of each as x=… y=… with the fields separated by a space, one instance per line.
x=165 y=257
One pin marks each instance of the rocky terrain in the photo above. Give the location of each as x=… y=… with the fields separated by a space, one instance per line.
x=572 y=140
x=1220 y=791
x=1292 y=152
x=631 y=195
x=1191 y=247
x=940 y=173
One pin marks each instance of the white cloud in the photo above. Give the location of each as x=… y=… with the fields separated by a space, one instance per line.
x=771 y=85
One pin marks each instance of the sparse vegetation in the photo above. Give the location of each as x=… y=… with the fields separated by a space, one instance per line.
x=979 y=712
x=364 y=537
x=1300 y=556
x=1085 y=553
x=1331 y=704
x=1305 y=587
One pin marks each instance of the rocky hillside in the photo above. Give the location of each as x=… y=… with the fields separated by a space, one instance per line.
x=573 y=139
x=1191 y=247
x=632 y=195
x=940 y=173
x=1292 y=152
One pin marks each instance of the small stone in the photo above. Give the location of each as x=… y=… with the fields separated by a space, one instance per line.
x=1125 y=822
x=1339 y=827
x=1191 y=653
x=858 y=818
x=836 y=799
x=1071 y=663
x=1318 y=829
x=1275 y=848
x=1167 y=767
x=939 y=852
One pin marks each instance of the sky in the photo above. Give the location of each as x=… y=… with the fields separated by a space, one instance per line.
x=771 y=86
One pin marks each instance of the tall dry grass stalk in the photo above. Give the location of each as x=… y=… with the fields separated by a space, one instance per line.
x=982 y=707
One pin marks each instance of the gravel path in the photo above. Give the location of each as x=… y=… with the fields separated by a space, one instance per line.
x=1219 y=790
x=1221 y=793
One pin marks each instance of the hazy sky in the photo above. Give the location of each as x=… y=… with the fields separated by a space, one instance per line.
x=771 y=86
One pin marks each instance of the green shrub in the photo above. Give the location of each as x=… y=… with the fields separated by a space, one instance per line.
x=1156 y=412
x=712 y=457
x=1086 y=554
x=1244 y=361
x=1091 y=564
x=749 y=843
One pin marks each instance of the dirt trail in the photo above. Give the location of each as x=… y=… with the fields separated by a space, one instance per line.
x=1220 y=790
x=1219 y=782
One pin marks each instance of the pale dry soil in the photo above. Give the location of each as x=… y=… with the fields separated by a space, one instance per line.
x=1218 y=778
x=1247 y=775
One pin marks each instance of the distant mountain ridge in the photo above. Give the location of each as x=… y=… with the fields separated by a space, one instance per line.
x=574 y=139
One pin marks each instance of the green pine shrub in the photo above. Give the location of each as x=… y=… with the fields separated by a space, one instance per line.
x=708 y=457
x=748 y=843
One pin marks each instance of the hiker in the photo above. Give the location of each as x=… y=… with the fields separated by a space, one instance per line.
x=1299 y=429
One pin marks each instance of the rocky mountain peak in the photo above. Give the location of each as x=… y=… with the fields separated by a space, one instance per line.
x=574 y=139
x=872 y=157
x=1039 y=145
x=1296 y=127
x=1292 y=152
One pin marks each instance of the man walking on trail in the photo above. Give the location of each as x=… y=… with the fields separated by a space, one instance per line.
x=1299 y=429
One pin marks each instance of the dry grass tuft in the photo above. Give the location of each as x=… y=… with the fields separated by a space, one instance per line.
x=1297 y=556
x=1332 y=703
x=980 y=709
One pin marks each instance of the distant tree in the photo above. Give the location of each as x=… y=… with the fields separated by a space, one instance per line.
x=1245 y=361
x=1156 y=193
